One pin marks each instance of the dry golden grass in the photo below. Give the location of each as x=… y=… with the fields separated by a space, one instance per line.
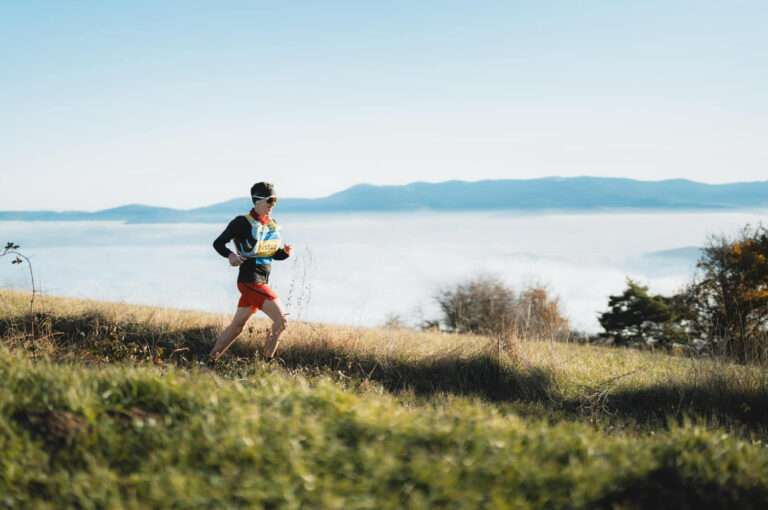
x=578 y=363
x=407 y=343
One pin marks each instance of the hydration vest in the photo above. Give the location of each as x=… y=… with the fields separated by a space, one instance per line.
x=265 y=243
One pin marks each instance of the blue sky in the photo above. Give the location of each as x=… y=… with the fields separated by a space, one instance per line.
x=184 y=104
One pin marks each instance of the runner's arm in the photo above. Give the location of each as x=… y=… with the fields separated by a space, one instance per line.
x=220 y=244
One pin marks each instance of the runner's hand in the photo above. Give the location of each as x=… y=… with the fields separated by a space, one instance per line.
x=288 y=249
x=235 y=259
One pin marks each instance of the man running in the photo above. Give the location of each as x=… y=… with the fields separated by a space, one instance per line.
x=257 y=241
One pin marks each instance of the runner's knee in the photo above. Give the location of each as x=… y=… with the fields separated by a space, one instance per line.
x=280 y=323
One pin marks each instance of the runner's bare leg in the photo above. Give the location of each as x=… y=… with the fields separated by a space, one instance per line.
x=276 y=312
x=227 y=337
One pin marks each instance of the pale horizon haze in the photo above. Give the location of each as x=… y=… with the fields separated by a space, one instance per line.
x=185 y=104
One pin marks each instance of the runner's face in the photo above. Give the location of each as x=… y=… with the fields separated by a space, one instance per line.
x=264 y=207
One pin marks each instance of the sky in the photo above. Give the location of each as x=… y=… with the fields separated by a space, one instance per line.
x=188 y=103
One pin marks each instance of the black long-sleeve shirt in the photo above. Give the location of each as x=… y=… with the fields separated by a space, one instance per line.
x=255 y=269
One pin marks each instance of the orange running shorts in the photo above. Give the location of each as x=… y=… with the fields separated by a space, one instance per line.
x=253 y=295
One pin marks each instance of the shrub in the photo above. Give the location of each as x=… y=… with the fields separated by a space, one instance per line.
x=485 y=305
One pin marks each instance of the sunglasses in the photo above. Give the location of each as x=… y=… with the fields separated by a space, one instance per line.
x=272 y=200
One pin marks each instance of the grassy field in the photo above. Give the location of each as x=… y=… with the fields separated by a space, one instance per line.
x=104 y=406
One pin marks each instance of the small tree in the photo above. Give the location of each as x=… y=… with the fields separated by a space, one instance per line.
x=731 y=296
x=637 y=317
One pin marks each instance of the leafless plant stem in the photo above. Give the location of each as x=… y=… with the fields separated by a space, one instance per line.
x=8 y=251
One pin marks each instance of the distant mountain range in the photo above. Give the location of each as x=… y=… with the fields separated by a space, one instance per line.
x=552 y=193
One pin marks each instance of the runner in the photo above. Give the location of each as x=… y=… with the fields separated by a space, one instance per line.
x=257 y=240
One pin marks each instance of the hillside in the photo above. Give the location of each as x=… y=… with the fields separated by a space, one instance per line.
x=103 y=405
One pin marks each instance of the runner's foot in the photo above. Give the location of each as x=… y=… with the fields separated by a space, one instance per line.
x=208 y=364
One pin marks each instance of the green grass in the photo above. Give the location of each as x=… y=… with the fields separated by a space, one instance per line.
x=104 y=408
x=143 y=436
